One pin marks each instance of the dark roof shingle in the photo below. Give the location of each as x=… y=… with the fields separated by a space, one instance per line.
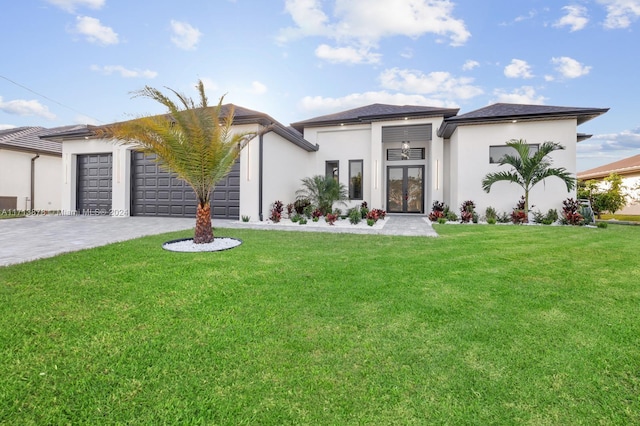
x=27 y=139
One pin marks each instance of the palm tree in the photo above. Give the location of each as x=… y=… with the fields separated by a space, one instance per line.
x=194 y=141
x=322 y=192
x=528 y=170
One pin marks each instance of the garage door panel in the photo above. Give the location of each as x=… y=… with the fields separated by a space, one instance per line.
x=94 y=182
x=157 y=192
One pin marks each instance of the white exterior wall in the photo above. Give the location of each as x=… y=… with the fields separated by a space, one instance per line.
x=121 y=172
x=632 y=184
x=344 y=143
x=284 y=165
x=469 y=164
x=364 y=142
x=15 y=179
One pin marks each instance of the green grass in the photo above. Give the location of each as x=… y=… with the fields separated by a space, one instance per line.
x=627 y=218
x=484 y=325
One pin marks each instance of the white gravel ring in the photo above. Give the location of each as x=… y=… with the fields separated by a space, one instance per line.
x=186 y=245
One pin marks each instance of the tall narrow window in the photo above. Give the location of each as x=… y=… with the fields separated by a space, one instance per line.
x=332 y=170
x=355 y=179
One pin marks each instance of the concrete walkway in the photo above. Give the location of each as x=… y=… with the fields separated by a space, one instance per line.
x=30 y=238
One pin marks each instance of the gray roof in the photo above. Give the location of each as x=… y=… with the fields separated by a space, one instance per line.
x=27 y=139
x=375 y=112
x=503 y=112
x=241 y=116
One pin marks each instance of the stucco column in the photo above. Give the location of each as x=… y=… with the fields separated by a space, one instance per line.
x=376 y=167
x=435 y=184
x=121 y=182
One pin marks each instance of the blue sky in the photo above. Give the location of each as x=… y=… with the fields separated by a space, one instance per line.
x=77 y=61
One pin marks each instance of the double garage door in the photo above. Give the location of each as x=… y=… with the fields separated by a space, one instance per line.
x=154 y=192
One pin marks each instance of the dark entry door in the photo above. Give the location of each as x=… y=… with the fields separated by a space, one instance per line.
x=405 y=189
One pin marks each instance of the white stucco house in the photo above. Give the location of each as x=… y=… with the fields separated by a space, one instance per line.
x=629 y=170
x=30 y=170
x=397 y=158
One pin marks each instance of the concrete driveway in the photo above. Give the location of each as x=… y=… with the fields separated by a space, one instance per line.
x=35 y=237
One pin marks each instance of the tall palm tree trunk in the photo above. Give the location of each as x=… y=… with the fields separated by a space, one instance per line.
x=204 y=232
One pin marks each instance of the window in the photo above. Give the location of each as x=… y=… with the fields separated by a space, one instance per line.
x=397 y=154
x=497 y=152
x=332 y=170
x=355 y=179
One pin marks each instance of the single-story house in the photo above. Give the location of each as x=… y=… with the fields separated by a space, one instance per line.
x=629 y=170
x=30 y=170
x=397 y=158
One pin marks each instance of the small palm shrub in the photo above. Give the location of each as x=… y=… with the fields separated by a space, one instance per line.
x=545 y=219
x=491 y=215
x=322 y=192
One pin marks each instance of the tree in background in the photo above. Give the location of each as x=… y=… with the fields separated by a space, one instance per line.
x=605 y=196
x=528 y=170
x=194 y=140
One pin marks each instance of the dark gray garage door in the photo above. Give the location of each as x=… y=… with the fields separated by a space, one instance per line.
x=156 y=192
x=94 y=183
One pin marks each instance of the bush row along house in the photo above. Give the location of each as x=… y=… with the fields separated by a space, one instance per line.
x=397 y=158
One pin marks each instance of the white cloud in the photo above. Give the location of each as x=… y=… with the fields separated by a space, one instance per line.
x=361 y=24
x=347 y=54
x=438 y=84
x=322 y=105
x=24 y=108
x=627 y=139
x=124 y=72
x=7 y=126
x=470 y=64
x=576 y=18
x=518 y=69
x=184 y=35
x=84 y=119
x=71 y=5
x=620 y=13
x=522 y=95
x=569 y=67
x=95 y=31
x=208 y=83
x=258 y=88
x=407 y=53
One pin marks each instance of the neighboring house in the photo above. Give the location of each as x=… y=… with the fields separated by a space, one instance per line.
x=629 y=171
x=398 y=158
x=30 y=170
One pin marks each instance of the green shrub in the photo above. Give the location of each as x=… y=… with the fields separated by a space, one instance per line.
x=246 y=218
x=354 y=216
x=302 y=221
x=602 y=225
x=442 y=220
x=491 y=213
x=371 y=222
x=491 y=220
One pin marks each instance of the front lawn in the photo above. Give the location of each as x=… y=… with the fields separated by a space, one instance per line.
x=483 y=325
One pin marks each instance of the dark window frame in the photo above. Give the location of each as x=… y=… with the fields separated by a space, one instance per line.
x=497 y=161
x=353 y=195
x=332 y=171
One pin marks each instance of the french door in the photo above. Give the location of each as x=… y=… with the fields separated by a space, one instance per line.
x=405 y=189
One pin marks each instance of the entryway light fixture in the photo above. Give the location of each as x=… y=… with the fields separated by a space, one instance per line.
x=404 y=154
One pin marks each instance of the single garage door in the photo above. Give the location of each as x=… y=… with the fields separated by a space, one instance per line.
x=94 y=183
x=156 y=192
